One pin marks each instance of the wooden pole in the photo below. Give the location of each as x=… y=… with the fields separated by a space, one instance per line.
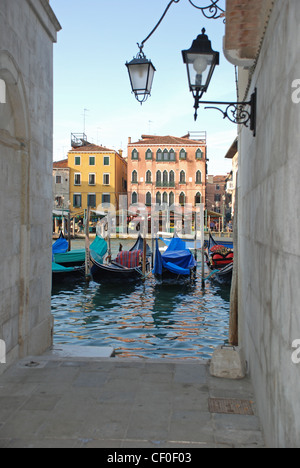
x=145 y=245
x=87 y=243
x=69 y=232
x=202 y=243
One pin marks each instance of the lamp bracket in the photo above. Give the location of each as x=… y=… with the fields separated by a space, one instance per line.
x=240 y=113
x=212 y=11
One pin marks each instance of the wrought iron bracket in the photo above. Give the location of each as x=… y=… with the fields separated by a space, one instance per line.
x=240 y=113
x=212 y=11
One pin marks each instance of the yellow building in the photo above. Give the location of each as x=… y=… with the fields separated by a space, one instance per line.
x=97 y=175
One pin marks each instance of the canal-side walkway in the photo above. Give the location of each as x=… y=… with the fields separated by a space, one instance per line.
x=61 y=401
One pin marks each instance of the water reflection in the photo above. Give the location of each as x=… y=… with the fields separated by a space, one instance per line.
x=144 y=320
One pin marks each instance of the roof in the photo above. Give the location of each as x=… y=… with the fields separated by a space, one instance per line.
x=168 y=140
x=246 y=22
x=92 y=149
x=232 y=150
x=60 y=164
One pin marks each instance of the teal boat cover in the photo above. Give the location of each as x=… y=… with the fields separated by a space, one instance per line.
x=98 y=249
x=61 y=269
x=70 y=257
x=177 y=259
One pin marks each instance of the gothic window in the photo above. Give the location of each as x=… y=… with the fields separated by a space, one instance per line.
x=182 y=177
x=198 y=177
x=171 y=199
x=134 y=154
x=134 y=177
x=182 y=198
x=149 y=154
x=182 y=154
x=148 y=177
x=165 y=178
x=148 y=199
x=134 y=198
x=199 y=154
x=198 y=198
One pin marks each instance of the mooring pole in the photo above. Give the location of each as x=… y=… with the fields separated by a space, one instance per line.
x=87 y=243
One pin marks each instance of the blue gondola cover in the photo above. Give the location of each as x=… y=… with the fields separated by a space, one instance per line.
x=177 y=258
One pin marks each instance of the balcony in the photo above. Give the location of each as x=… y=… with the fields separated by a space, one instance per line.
x=160 y=184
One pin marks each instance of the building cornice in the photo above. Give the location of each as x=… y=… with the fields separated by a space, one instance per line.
x=46 y=16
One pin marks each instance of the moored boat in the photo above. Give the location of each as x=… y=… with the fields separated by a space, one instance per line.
x=176 y=263
x=219 y=260
x=126 y=266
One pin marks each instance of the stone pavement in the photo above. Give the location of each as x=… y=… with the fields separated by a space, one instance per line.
x=54 y=401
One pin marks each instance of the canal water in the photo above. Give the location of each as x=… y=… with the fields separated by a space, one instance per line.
x=143 y=320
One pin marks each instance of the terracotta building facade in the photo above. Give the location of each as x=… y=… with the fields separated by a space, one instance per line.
x=167 y=170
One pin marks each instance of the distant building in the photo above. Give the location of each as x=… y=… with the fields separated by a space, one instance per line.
x=231 y=182
x=61 y=185
x=215 y=192
x=98 y=175
x=167 y=170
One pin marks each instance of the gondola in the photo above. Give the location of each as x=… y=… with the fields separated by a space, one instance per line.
x=177 y=263
x=219 y=260
x=61 y=255
x=73 y=266
x=61 y=273
x=127 y=266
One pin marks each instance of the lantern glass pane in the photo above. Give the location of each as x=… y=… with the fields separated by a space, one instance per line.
x=199 y=67
x=139 y=77
x=150 y=78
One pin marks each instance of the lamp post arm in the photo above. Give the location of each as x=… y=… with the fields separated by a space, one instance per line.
x=211 y=11
x=236 y=112
x=159 y=22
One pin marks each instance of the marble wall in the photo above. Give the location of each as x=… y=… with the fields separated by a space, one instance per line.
x=28 y=29
x=269 y=234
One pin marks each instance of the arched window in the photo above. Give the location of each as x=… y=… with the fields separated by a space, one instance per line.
x=172 y=179
x=158 y=198
x=182 y=177
x=182 y=198
x=165 y=198
x=148 y=199
x=134 y=198
x=158 y=179
x=159 y=155
x=134 y=177
x=182 y=154
x=171 y=199
x=198 y=177
x=199 y=154
x=166 y=155
x=165 y=178
x=197 y=198
x=172 y=155
x=148 y=177
x=149 y=154
x=134 y=154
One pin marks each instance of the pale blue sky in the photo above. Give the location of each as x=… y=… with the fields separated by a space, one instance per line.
x=97 y=38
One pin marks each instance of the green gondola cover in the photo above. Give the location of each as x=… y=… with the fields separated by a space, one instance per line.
x=61 y=269
x=73 y=256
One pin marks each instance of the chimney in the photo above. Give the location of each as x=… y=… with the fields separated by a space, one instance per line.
x=129 y=140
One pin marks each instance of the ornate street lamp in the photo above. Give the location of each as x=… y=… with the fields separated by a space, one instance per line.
x=201 y=61
x=141 y=73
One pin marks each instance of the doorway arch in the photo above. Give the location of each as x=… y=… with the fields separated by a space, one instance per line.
x=15 y=161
